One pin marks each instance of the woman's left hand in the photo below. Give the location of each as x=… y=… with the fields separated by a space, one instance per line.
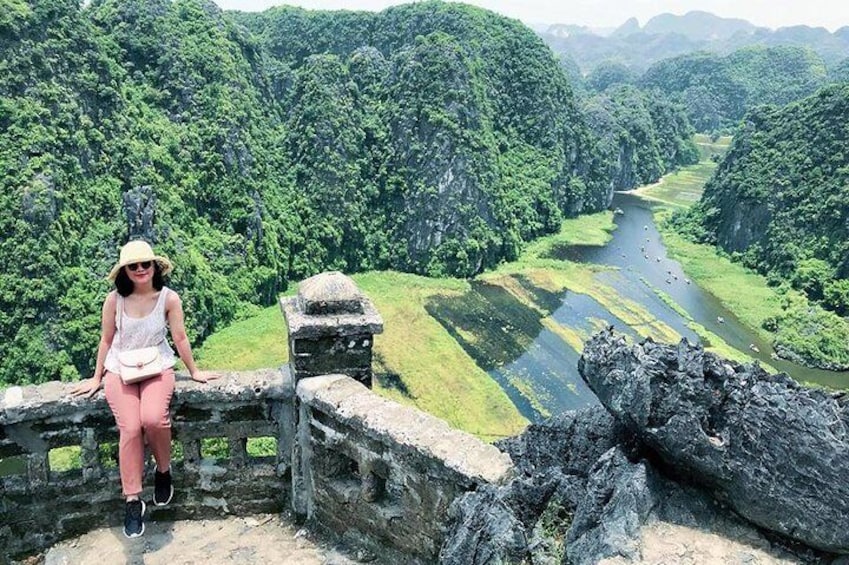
x=205 y=376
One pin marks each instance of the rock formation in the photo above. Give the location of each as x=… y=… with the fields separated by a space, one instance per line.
x=684 y=438
x=776 y=452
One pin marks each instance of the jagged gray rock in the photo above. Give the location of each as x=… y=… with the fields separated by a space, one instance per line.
x=571 y=442
x=774 y=451
x=486 y=531
x=617 y=503
x=688 y=426
x=528 y=519
x=140 y=209
x=584 y=490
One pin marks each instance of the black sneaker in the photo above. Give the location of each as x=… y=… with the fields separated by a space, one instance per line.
x=163 y=490
x=134 y=519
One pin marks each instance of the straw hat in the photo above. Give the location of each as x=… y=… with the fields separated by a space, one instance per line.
x=137 y=252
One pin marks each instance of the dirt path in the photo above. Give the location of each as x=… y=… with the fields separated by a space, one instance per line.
x=255 y=539
x=667 y=544
x=267 y=539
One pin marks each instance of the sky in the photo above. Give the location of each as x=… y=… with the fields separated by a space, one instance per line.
x=831 y=14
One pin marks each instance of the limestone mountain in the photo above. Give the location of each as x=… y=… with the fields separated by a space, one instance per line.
x=782 y=188
x=778 y=201
x=639 y=137
x=631 y=26
x=718 y=90
x=698 y=26
x=131 y=119
x=458 y=107
x=668 y=35
x=567 y=30
x=830 y=46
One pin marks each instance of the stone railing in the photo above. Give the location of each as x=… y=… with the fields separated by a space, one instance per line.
x=347 y=461
x=381 y=473
x=39 y=506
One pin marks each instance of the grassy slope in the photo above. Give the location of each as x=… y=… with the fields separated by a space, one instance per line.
x=437 y=376
x=255 y=343
x=680 y=189
x=683 y=188
x=419 y=363
x=708 y=148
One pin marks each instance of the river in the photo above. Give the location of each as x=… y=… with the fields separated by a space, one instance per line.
x=549 y=365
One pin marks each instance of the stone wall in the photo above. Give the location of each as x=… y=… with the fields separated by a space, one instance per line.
x=39 y=506
x=381 y=473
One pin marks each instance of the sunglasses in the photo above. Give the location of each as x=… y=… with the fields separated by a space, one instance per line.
x=144 y=265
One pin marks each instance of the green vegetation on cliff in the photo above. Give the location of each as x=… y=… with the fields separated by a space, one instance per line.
x=433 y=138
x=718 y=90
x=256 y=149
x=779 y=203
x=130 y=119
x=639 y=137
x=780 y=195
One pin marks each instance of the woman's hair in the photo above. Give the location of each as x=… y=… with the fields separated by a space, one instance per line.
x=125 y=286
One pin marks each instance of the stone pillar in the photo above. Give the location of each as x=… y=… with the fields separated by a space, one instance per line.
x=331 y=328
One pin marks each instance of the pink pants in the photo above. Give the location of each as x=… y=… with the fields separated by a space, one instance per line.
x=142 y=413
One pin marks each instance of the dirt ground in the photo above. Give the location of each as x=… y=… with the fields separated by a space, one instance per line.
x=670 y=544
x=251 y=540
x=268 y=539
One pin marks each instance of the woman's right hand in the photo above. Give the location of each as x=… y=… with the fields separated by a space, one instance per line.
x=204 y=376
x=86 y=388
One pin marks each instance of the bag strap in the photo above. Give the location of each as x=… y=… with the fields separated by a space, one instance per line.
x=119 y=315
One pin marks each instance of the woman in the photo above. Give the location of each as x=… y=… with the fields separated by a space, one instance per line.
x=134 y=316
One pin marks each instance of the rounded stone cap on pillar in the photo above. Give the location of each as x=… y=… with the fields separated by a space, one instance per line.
x=329 y=293
x=330 y=304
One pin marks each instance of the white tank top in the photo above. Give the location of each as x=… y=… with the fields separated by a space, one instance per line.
x=135 y=333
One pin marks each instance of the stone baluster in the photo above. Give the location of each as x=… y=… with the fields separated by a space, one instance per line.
x=238 y=452
x=191 y=452
x=38 y=469
x=90 y=455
